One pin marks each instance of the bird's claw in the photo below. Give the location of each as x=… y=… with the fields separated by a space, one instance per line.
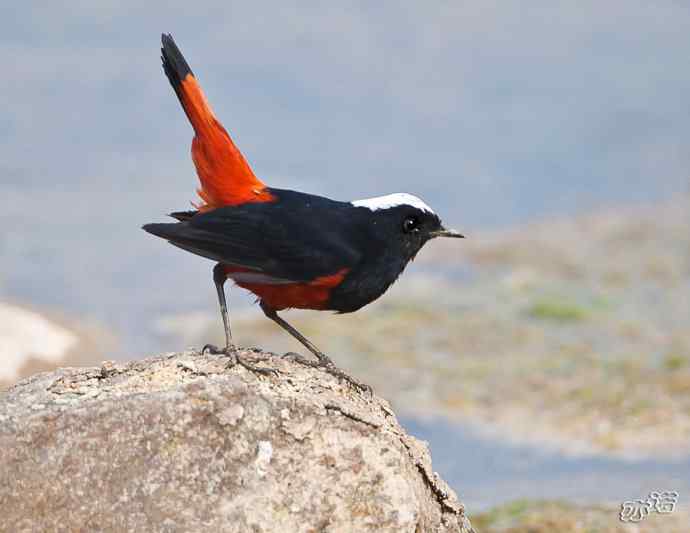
x=214 y=350
x=361 y=387
x=325 y=364
x=235 y=358
x=263 y=370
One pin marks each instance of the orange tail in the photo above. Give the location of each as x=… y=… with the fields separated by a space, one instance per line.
x=225 y=175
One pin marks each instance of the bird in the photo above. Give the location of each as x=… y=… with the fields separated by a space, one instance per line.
x=292 y=250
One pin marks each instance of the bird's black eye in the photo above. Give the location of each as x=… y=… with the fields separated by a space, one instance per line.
x=410 y=224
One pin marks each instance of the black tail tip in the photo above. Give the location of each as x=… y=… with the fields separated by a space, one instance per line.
x=174 y=63
x=155 y=229
x=167 y=40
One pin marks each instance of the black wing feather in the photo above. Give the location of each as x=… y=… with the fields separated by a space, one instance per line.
x=183 y=215
x=197 y=242
x=292 y=239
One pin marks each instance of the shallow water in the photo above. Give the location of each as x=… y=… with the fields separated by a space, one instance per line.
x=485 y=471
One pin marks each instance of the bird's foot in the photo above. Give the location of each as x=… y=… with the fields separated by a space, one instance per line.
x=214 y=350
x=263 y=370
x=327 y=365
x=235 y=358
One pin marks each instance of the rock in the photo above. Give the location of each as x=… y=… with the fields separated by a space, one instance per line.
x=27 y=335
x=179 y=442
x=33 y=342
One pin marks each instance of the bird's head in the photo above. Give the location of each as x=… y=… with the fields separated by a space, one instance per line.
x=407 y=220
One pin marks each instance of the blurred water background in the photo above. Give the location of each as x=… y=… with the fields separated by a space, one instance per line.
x=496 y=113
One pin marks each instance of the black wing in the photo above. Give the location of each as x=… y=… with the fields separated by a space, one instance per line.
x=298 y=238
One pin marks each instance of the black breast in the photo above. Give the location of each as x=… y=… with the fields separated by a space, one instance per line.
x=383 y=259
x=376 y=257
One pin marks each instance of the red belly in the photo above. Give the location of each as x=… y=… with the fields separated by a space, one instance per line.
x=312 y=295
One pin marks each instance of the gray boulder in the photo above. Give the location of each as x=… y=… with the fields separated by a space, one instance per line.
x=179 y=442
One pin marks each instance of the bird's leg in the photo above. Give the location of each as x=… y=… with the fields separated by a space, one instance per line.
x=323 y=361
x=230 y=350
x=219 y=278
x=219 y=281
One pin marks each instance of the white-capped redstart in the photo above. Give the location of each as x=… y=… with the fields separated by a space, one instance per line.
x=291 y=249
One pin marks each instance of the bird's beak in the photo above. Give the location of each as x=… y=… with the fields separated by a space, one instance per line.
x=447 y=233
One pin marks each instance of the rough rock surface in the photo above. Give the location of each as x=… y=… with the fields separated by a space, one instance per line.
x=181 y=443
